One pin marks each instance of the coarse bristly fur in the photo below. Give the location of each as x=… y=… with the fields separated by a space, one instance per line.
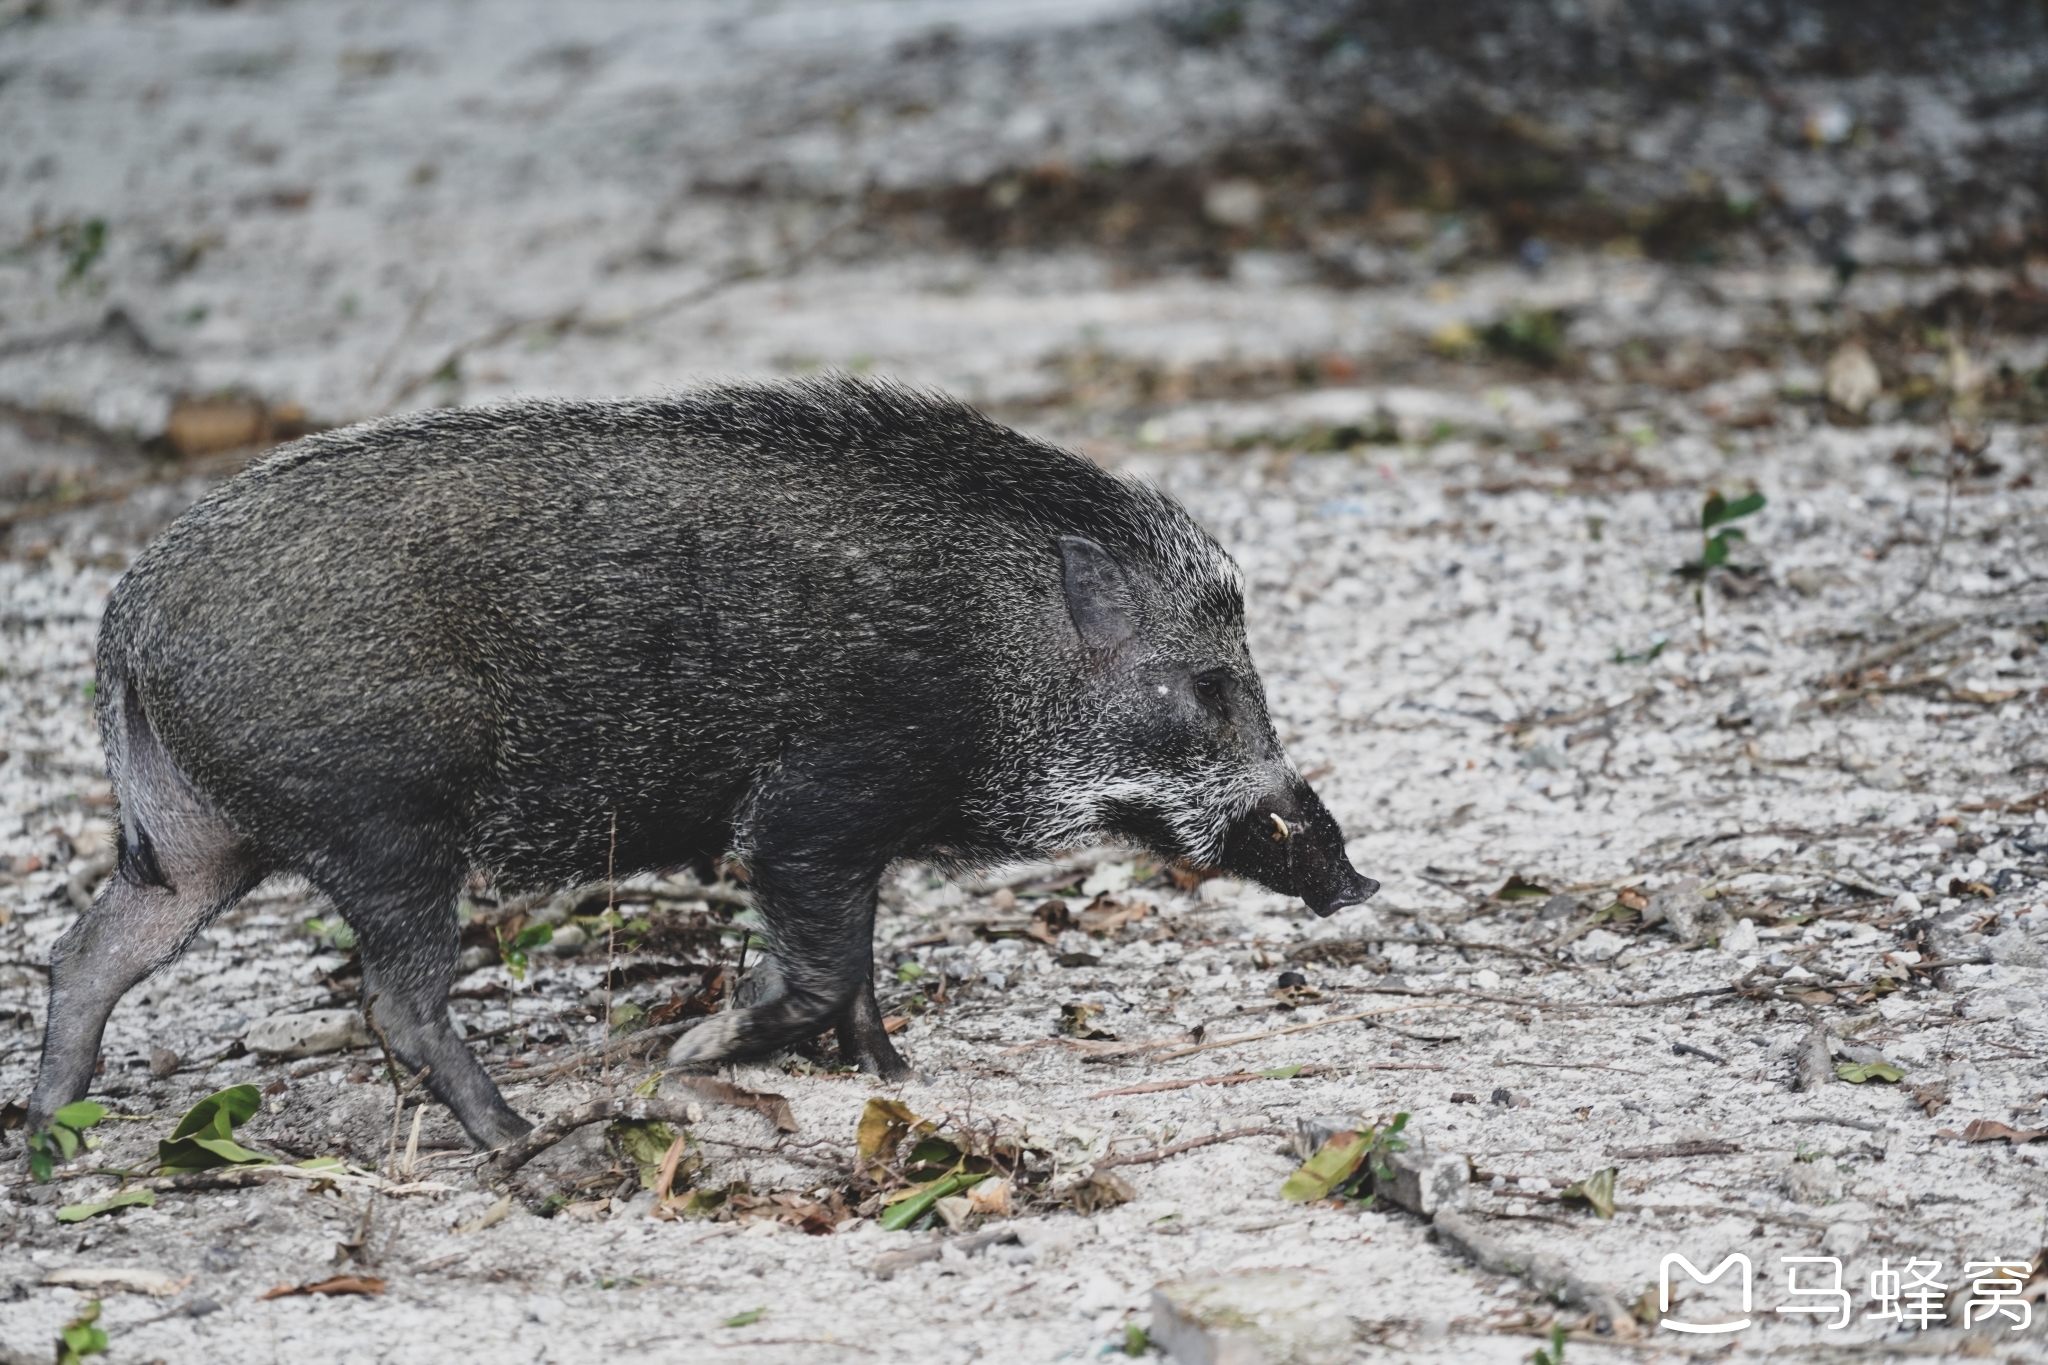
x=826 y=624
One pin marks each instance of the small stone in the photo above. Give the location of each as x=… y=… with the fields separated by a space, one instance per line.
x=1270 y=1318
x=1806 y=582
x=1501 y=1096
x=1486 y=979
x=1598 y=946
x=1844 y=1239
x=1312 y=1132
x=1852 y=381
x=2014 y=949
x=163 y=1062
x=567 y=941
x=1742 y=938
x=308 y=1034
x=1004 y=900
x=1234 y=203
x=1425 y=1181
x=1288 y=979
x=1558 y=907
x=1811 y=1182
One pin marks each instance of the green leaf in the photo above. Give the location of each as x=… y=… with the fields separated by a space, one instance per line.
x=646 y=1146
x=1333 y=1165
x=909 y=971
x=78 y=1213
x=746 y=1319
x=67 y=1141
x=218 y=1113
x=1856 y=1073
x=1657 y=643
x=79 y=1115
x=206 y=1154
x=1282 y=1073
x=321 y=1163
x=40 y=1165
x=1136 y=1340
x=533 y=935
x=901 y=1215
x=1596 y=1189
x=883 y=1126
x=79 y=1337
x=1519 y=888
x=1718 y=509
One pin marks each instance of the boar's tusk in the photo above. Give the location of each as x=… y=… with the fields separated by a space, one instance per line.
x=1281 y=833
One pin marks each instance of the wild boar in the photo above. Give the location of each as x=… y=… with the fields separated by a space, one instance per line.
x=821 y=625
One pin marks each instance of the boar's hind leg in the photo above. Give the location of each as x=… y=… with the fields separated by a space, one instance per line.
x=410 y=944
x=180 y=866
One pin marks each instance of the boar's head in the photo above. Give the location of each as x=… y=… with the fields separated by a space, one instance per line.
x=1179 y=753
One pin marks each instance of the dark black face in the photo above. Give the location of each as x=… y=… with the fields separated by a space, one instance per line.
x=1184 y=757
x=1291 y=844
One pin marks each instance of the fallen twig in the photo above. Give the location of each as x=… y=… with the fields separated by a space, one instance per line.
x=1867 y=1125
x=242 y=1177
x=1575 y=1066
x=1516 y=727
x=1291 y=1028
x=1680 y=998
x=1697 y=1147
x=1161 y=1153
x=1897 y=649
x=1234 y=1078
x=633 y=1109
x=617 y=1047
x=886 y=1266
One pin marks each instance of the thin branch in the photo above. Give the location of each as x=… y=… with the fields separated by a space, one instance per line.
x=634 y=1109
x=1161 y=1153
x=1293 y=1028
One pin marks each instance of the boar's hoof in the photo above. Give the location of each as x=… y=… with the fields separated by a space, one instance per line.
x=708 y=1043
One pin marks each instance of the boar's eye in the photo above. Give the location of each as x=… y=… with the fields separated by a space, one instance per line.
x=1209 y=688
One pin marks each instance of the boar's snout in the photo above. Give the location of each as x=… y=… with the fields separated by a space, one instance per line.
x=1291 y=844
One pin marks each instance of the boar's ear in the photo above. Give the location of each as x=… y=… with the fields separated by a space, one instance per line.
x=1098 y=594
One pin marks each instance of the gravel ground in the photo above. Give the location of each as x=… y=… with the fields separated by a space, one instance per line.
x=1801 y=798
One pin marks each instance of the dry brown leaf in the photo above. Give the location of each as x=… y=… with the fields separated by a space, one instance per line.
x=1100 y=1190
x=1931 y=1096
x=1105 y=914
x=1991 y=1130
x=340 y=1284
x=774 y=1108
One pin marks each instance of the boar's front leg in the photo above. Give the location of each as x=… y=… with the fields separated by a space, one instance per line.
x=818 y=843
x=410 y=942
x=864 y=1040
